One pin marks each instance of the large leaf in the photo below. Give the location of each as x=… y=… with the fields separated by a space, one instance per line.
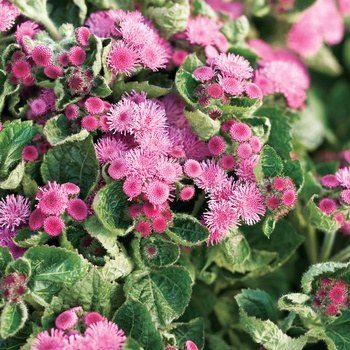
x=13 y=318
x=52 y=269
x=74 y=162
x=338 y=331
x=109 y=205
x=5 y=258
x=136 y=322
x=187 y=230
x=165 y=292
x=296 y=302
x=14 y=136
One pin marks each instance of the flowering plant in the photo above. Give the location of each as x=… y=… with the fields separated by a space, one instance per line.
x=170 y=171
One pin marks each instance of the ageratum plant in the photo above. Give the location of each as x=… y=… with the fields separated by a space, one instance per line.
x=174 y=175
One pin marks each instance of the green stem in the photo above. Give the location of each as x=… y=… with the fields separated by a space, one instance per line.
x=342 y=255
x=327 y=245
x=198 y=204
x=6 y=39
x=311 y=245
x=51 y=28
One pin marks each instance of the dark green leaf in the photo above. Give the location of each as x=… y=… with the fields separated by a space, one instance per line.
x=338 y=331
x=21 y=266
x=26 y=238
x=269 y=165
x=5 y=258
x=74 y=162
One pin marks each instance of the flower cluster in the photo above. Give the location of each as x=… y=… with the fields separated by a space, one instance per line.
x=331 y=296
x=337 y=201
x=53 y=201
x=99 y=333
x=13 y=287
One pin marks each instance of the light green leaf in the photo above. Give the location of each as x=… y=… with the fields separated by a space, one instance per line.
x=235 y=249
x=236 y=31
x=102 y=88
x=21 y=266
x=6 y=88
x=13 y=318
x=109 y=205
x=295 y=302
x=113 y=4
x=131 y=344
x=15 y=177
x=319 y=219
x=136 y=322
x=187 y=230
x=74 y=162
x=5 y=258
x=52 y=269
x=165 y=292
x=26 y=238
x=318 y=271
x=318 y=334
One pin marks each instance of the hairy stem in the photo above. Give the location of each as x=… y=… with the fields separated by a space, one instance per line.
x=327 y=245
x=342 y=255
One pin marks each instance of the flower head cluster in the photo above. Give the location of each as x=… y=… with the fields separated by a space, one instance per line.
x=8 y=15
x=280 y=195
x=337 y=202
x=99 y=333
x=281 y=72
x=331 y=297
x=227 y=76
x=53 y=201
x=13 y=287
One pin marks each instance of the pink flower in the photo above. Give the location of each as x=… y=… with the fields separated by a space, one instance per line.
x=77 y=209
x=157 y=192
x=53 y=71
x=233 y=66
x=109 y=149
x=231 y=86
x=20 y=69
x=52 y=202
x=27 y=28
x=255 y=144
x=153 y=57
x=100 y=23
x=179 y=57
x=214 y=91
x=216 y=145
x=168 y=170
x=14 y=211
x=343 y=176
x=159 y=224
x=53 y=341
x=345 y=196
x=71 y=112
x=122 y=58
x=329 y=181
x=227 y=162
x=121 y=116
x=337 y=295
x=92 y=317
x=212 y=177
x=249 y=202
x=150 y=210
x=30 y=153
x=66 y=320
x=272 y=201
x=279 y=184
x=42 y=55
x=289 y=197
x=53 y=225
x=36 y=219
x=240 y=132
x=143 y=227
x=132 y=186
x=118 y=169
x=203 y=73
x=105 y=335
x=253 y=91
x=76 y=55
x=244 y=151
x=38 y=107
x=186 y=193
x=331 y=309
x=190 y=345
x=8 y=15
x=327 y=205
x=89 y=122
x=82 y=35
x=174 y=110
x=94 y=105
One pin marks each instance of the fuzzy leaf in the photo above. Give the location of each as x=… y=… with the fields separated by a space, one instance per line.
x=170 y=19
x=166 y=253
x=6 y=88
x=13 y=137
x=102 y=89
x=241 y=106
x=109 y=205
x=5 y=258
x=74 y=162
x=57 y=131
x=187 y=230
x=319 y=333
x=296 y=302
x=113 y=4
x=235 y=249
x=319 y=219
x=26 y=238
x=13 y=318
x=117 y=268
x=21 y=266
x=193 y=330
x=292 y=168
x=165 y=292
x=236 y=31
x=269 y=165
x=52 y=269
x=15 y=177
x=131 y=344
x=136 y=322
x=317 y=271
x=338 y=331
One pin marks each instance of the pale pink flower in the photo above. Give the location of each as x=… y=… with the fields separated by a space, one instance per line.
x=343 y=176
x=249 y=203
x=203 y=73
x=94 y=105
x=201 y=30
x=157 y=192
x=66 y=320
x=141 y=163
x=168 y=170
x=232 y=86
x=100 y=23
x=122 y=58
x=27 y=28
x=132 y=187
x=8 y=15
x=344 y=7
x=232 y=8
x=121 y=116
x=174 y=110
x=14 y=211
x=233 y=66
x=156 y=142
x=51 y=200
x=240 y=132
x=108 y=149
x=212 y=178
x=55 y=340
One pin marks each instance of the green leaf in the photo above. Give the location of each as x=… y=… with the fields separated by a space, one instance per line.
x=236 y=31
x=13 y=137
x=241 y=106
x=280 y=135
x=57 y=131
x=269 y=165
x=295 y=302
x=136 y=322
x=131 y=344
x=301 y=5
x=200 y=7
x=320 y=220
x=15 y=177
x=202 y=125
x=5 y=258
x=187 y=230
x=318 y=334
x=13 y=318
x=102 y=89
x=6 y=88
x=170 y=19
x=338 y=331
x=26 y=238
x=113 y=4
x=325 y=62
x=235 y=249
x=74 y=162
x=292 y=168
x=257 y=303
x=30 y=187
x=165 y=292
x=269 y=224
x=317 y=271
x=158 y=252
x=21 y=266
x=193 y=330
x=109 y=205
x=52 y=269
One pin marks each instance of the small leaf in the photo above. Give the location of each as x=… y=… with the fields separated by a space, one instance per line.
x=109 y=205
x=74 y=162
x=301 y=5
x=102 y=89
x=187 y=230
x=295 y=302
x=5 y=258
x=136 y=322
x=235 y=249
x=26 y=238
x=15 y=177
x=236 y=31
x=165 y=292
x=21 y=266
x=269 y=165
x=13 y=318
x=319 y=219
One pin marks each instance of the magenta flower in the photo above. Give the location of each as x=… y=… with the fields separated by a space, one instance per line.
x=92 y=317
x=329 y=181
x=27 y=28
x=82 y=34
x=327 y=205
x=53 y=225
x=143 y=227
x=14 y=211
x=77 y=209
x=240 y=132
x=157 y=192
x=66 y=320
x=42 y=55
